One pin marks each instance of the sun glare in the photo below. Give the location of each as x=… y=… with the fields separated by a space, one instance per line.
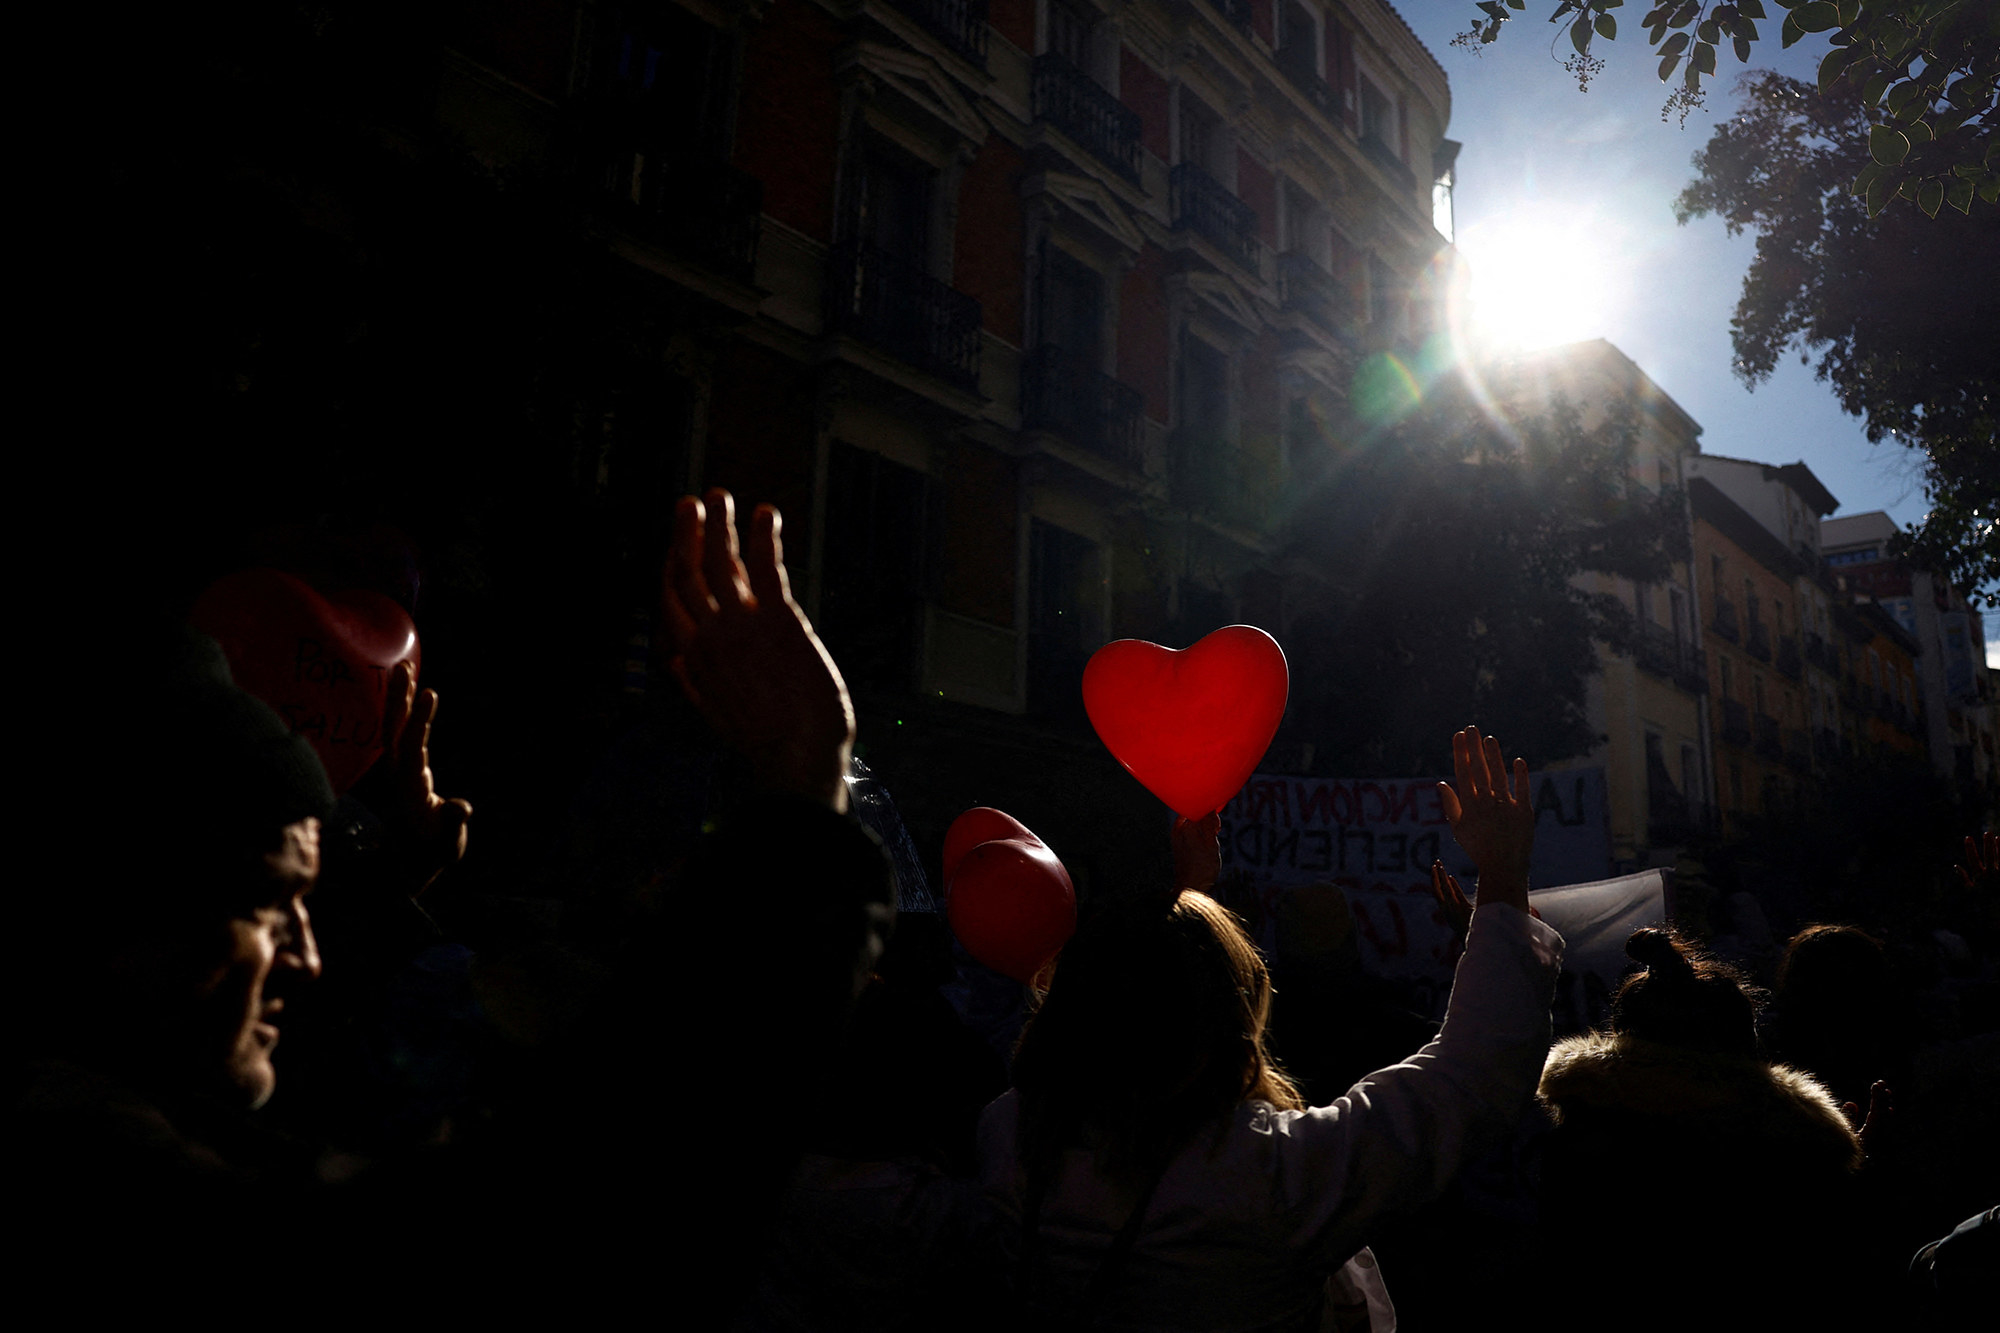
x=1537 y=278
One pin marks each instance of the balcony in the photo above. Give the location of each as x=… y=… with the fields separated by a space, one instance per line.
x=685 y=202
x=1074 y=103
x=1692 y=673
x=1735 y=722
x=1725 y=621
x=1062 y=395
x=959 y=24
x=1770 y=743
x=1385 y=157
x=1759 y=640
x=1656 y=650
x=1788 y=656
x=1313 y=292
x=1203 y=206
x=1296 y=63
x=1236 y=13
x=1798 y=749
x=890 y=301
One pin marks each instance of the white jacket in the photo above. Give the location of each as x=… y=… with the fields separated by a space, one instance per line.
x=1251 y=1220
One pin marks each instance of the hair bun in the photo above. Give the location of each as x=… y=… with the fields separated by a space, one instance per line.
x=1654 y=946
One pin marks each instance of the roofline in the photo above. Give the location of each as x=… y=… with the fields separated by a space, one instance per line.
x=1797 y=476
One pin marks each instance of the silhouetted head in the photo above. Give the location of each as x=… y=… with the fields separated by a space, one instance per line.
x=1683 y=998
x=1153 y=1025
x=1832 y=966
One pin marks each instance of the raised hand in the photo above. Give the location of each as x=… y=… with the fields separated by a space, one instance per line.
x=1980 y=870
x=431 y=829
x=747 y=656
x=1197 y=856
x=1493 y=823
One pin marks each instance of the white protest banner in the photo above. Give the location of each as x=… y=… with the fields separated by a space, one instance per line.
x=1375 y=840
x=1595 y=920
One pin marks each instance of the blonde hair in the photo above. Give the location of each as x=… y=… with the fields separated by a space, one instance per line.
x=1152 y=1028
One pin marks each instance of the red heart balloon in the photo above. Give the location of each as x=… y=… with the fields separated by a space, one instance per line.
x=1009 y=900
x=323 y=662
x=1192 y=726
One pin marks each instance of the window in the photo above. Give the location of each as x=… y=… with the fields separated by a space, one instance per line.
x=892 y=193
x=879 y=523
x=1204 y=142
x=1065 y=621
x=1204 y=396
x=1069 y=34
x=1378 y=116
x=1073 y=309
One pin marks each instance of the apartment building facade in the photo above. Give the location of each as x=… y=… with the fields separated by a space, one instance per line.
x=1652 y=706
x=1953 y=696
x=1019 y=309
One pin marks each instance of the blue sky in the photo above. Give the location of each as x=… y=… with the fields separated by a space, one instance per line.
x=1601 y=170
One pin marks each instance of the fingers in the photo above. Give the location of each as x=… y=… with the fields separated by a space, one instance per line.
x=766 y=559
x=722 y=562
x=1448 y=800
x=402 y=695
x=1521 y=780
x=417 y=748
x=1496 y=769
x=685 y=593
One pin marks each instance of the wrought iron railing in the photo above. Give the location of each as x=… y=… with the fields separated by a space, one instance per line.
x=1309 y=289
x=1385 y=157
x=687 y=202
x=1062 y=394
x=1203 y=206
x=1074 y=103
x=1725 y=620
x=1735 y=722
x=1788 y=656
x=890 y=301
x=959 y=24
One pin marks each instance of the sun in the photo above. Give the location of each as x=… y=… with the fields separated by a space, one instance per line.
x=1538 y=277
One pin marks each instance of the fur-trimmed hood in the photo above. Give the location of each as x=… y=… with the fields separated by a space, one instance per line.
x=1745 y=1098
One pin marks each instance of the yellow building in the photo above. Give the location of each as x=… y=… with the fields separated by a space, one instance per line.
x=1649 y=708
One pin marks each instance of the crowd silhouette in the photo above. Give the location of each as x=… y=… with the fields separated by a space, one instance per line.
x=740 y=1092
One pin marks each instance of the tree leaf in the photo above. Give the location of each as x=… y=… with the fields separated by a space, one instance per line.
x=1929 y=196
x=1517 y=4
x=1918 y=132
x=1707 y=31
x=1887 y=145
x=1817 y=16
x=1579 y=35
x=1878 y=195
x=1607 y=27
x=1685 y=14
x=1989 y=189
x=1675 y=44
x=1831 y=68
x=1750 y=9
x=1742 y=49
x=1901 y=94
x=1848 y=11
x=1667 y=67
x=1790 y=31
x=1959 y=196
x=1704 y=57
x=1871 y=91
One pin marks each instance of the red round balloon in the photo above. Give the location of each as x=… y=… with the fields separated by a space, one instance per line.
x=322 y=661
x=1192 y=725
x=1008 y=898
